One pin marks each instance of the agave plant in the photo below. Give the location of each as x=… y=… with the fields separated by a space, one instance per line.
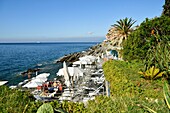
x=152 y=73
x=159 y=54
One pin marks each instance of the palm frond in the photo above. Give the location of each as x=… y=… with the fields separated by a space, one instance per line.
x=124 y=26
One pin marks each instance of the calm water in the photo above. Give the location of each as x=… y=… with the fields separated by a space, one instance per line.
x=18 y=57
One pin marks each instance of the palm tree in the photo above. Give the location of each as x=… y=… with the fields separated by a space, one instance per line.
x=124 y=27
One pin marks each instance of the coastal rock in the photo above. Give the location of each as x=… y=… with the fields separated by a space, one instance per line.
x=114 y=37
x=30 y=70
x=94 y=50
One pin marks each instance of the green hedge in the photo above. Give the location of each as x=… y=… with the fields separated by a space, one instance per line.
x=122 y=77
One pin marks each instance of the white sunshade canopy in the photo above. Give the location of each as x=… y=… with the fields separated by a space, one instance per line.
x=87 y=59
x=77 y=62
x=3 y=82
x=41 y=79
x=43 y=75
x=75 y=71
x=60 y=72
x=92 y=57
x=72 y=71
x=32 y=84
x=83 y=61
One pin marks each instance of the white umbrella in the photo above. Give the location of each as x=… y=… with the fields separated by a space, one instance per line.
x=32 y=84
x=73 y=71
x=66 y=74
x=84 y=62
x=98 y=59
x=92 y=58
x=77 y=62
x=60 y=72
x=39 y=80
x=77 y=73
x=102 y=55
x=3 y=82
x=43 y=75
x=87 y=59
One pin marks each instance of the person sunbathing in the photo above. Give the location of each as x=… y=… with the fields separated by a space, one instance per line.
x=60 y=88
x=54 y=84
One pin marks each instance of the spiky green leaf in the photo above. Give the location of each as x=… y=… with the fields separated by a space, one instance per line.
x=166 y=94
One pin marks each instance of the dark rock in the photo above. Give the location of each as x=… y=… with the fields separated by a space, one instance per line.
x=94 y=50
x=30 y=70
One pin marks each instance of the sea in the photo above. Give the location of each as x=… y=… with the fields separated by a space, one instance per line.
x=16 y=58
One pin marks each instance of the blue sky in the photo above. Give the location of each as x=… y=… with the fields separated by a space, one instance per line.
x=68 y=20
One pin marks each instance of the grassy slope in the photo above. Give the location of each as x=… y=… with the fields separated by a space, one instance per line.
x=129 y=91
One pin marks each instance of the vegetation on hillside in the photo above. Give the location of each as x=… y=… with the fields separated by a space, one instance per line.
x=17 y=101
x=139 y=41
x=139 y=86
x=130 y=91
x=158 y=55
x=166 y=10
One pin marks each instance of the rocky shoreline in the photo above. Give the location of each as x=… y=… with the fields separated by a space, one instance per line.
x=81 y=86
x=95 y=50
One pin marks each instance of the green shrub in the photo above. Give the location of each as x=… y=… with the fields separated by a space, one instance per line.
x=138 y=42
x=120 y=75
x=55 y=104
x=17 y=101
x=72 y=107
x=158 y=54
x=33 y=106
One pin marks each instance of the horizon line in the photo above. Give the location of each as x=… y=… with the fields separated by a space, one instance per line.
x=41 y=42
